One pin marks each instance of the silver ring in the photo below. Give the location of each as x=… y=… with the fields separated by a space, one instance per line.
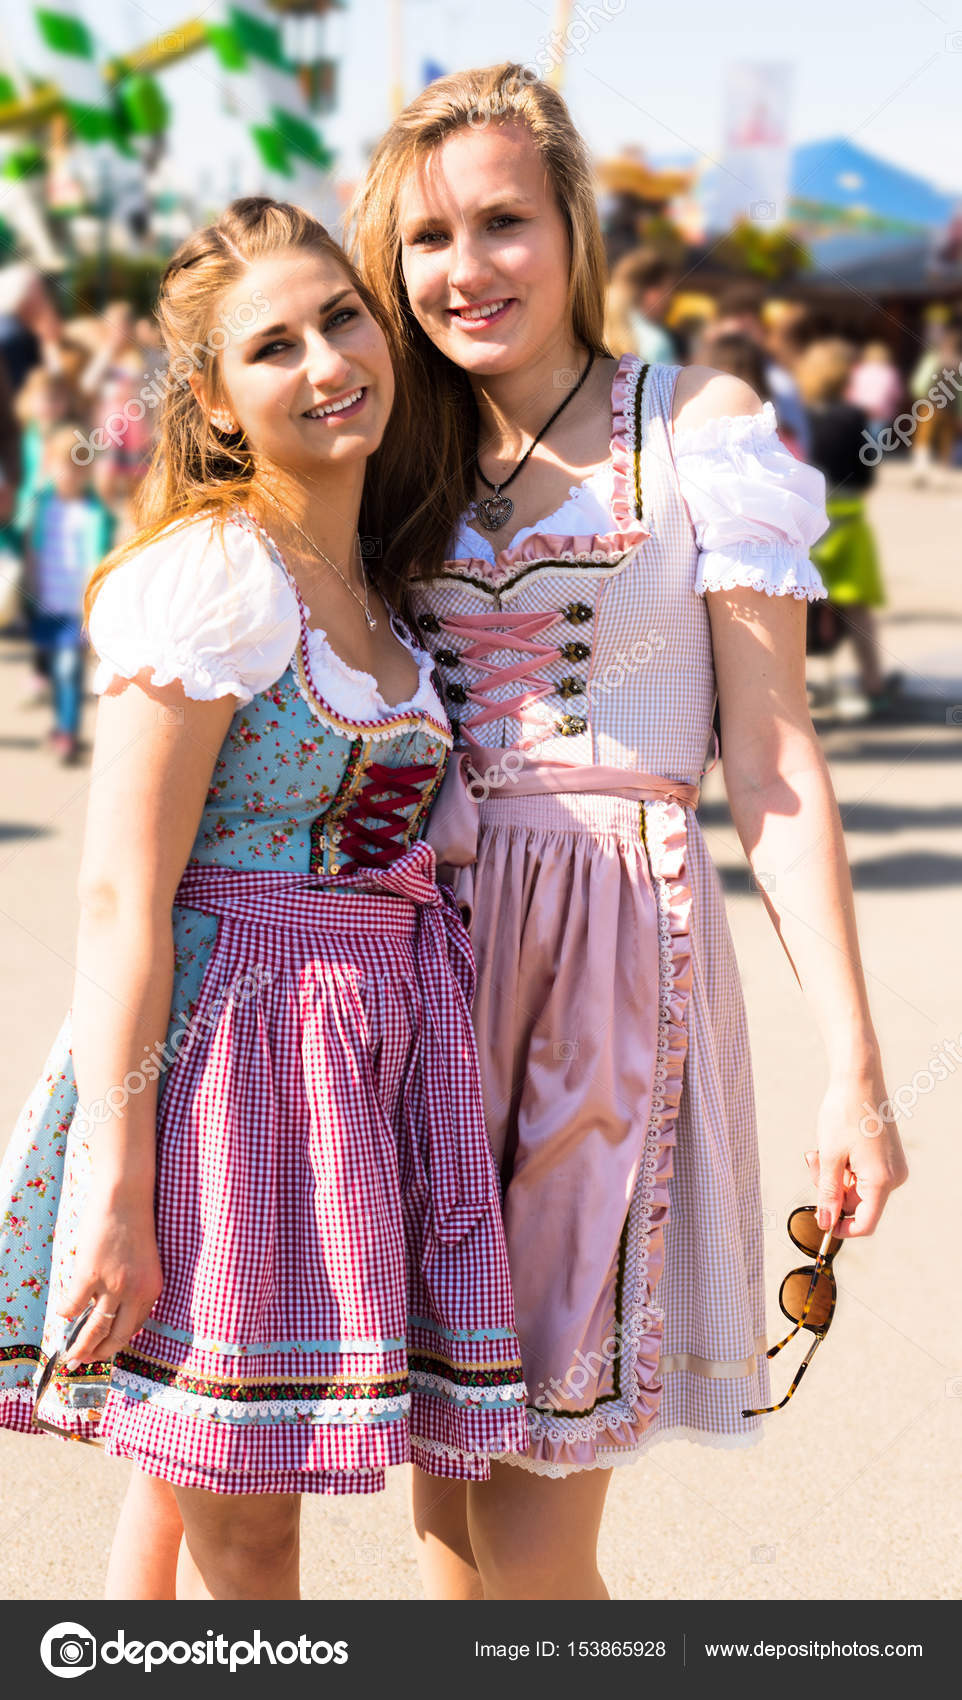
x=110 y=1314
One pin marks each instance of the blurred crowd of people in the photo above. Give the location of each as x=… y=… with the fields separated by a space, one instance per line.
x=836 y=403
x=74 y=442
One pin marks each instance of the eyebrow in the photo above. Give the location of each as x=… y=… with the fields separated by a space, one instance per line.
x=325 y=307
x=508 y=197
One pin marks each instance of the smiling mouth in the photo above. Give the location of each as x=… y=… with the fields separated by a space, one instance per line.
x=337 y=408
x=484 y=313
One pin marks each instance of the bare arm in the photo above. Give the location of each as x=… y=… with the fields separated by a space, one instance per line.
x=786 y=815
x=154 y=754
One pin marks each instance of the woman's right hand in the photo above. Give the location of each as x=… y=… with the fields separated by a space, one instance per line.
x=117 y=1266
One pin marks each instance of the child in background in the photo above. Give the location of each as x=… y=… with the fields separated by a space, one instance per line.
x=44 y=400
x=68 y=532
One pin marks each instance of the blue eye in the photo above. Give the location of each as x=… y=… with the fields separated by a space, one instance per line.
x=268 y=346
x=503 y=219
x=342 y=314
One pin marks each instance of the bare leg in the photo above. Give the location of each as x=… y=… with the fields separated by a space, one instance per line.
x=535 y=1537
x=190 y=1582
x=143 y=1557
x=245 y=1546
x=517 y=1537
x=445 y=1559
x=861 y=625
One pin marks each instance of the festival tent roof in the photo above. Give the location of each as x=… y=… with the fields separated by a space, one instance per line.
x=836 y=177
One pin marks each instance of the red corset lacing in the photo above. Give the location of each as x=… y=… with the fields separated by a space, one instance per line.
x=379 y=846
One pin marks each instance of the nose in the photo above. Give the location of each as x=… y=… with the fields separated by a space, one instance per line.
x=325 y=366
x=469 y=269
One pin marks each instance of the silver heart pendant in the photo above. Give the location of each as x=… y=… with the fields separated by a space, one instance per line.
x=494 y=511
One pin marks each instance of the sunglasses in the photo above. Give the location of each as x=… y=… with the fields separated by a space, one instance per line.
x=808 y=1296
x=50 y=1369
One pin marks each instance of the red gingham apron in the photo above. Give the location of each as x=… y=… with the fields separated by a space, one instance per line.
x=327 y=1206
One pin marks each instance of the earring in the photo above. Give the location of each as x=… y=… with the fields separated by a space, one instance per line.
x=223 y=422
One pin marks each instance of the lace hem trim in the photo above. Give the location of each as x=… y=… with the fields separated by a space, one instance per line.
x=785 y=572
x=203 y=681
x=503 y=1394
x=227 y=1410
x=615 y=1460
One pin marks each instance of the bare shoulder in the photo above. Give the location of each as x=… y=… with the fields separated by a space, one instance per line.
x=703 y=393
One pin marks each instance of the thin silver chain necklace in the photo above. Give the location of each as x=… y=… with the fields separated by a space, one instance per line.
x=369 y=617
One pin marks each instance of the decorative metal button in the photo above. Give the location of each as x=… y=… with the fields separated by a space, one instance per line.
x=574 y=651
x=571 y=686
x=577 y=613
x=571 y=724
x=429 y=623
x=447 y=657
x=456 y=693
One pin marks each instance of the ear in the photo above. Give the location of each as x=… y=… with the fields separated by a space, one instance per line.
x=219 y=417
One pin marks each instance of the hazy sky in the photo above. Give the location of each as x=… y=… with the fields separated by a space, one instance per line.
x=887 y=74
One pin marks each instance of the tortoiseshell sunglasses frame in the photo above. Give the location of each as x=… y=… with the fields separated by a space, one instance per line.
x=49 y=1370
x=828 y=1250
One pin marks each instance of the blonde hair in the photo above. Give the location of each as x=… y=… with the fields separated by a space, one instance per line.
x=823 y=370
x=416 y=499
x=195 y=467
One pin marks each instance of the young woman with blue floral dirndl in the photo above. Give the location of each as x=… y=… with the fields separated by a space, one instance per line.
x=276 y=1188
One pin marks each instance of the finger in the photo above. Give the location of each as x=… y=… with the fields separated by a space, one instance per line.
x=831 y=1191
x=73 y=1300
x=89 y=1346
x=868 y=1209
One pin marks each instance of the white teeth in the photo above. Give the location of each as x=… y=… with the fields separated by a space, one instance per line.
x=335 y=406
x=480 y=312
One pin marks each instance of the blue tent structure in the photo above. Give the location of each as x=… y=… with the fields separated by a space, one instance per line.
x=835 y=182
x=869 y=224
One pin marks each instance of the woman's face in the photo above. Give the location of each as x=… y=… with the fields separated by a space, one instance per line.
x=310 y=379
x=485 y=250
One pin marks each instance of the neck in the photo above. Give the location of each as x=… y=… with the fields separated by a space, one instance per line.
x=294 y=507
x=513 y=406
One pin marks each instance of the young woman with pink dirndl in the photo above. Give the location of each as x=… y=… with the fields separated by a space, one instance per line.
x=257 y=1147
x=604 y=549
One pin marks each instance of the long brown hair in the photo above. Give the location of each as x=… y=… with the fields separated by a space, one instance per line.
x=420 y=480
x=195 y=467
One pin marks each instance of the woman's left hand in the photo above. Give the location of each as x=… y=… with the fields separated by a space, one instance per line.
x=859 y=1159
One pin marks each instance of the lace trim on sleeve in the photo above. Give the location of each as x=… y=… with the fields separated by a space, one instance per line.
x=784 y=571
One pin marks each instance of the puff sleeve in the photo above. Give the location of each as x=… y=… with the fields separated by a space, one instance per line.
x=755 y=508
x=203 y=605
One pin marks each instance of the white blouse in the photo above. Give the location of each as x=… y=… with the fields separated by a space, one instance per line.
x=755 y=509
x=223 y=619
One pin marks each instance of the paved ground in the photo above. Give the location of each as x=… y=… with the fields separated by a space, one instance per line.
x=854 y=1492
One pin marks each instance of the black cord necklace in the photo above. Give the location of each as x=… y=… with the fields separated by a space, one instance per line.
x=495 y=511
